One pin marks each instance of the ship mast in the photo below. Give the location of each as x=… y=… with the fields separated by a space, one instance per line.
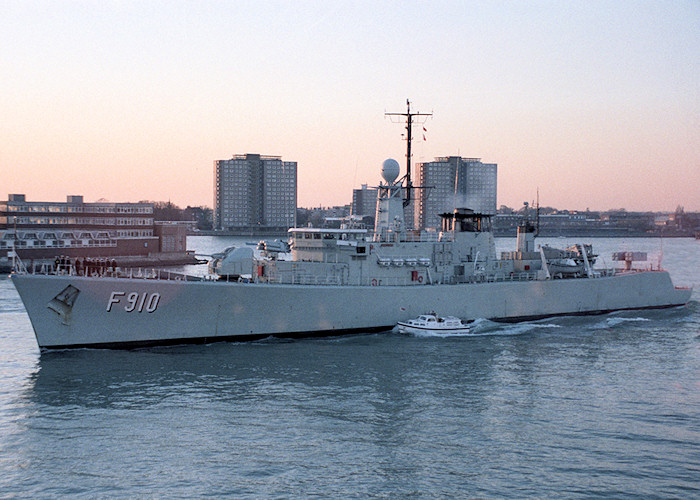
x=537 y=220
x=409 y=137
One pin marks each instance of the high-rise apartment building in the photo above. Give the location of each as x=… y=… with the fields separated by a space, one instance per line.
x=453 y=182
x=253 y=190
x=364 y=201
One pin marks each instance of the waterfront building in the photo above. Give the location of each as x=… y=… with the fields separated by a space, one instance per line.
x=453 y=182
x=42 y=229
x=254 y=191
x=39 y=231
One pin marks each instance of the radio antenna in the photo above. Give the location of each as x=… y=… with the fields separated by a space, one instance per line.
x=409 y=137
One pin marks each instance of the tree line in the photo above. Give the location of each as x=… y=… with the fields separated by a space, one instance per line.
x=168 y=211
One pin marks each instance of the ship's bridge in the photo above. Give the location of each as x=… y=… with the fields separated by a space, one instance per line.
x=324 y=244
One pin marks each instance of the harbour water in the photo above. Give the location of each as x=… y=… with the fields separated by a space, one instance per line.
x=601 y=406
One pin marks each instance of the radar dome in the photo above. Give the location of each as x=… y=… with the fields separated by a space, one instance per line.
x=390 y=170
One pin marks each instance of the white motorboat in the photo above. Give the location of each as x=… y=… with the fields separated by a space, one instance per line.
x=432 y=323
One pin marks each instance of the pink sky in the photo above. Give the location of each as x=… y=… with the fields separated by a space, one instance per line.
x=596 y=105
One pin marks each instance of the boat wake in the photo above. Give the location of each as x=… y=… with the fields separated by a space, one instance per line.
x=486 y=327
x=612 y=321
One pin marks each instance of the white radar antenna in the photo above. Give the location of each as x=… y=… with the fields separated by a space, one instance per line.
x=390 y=170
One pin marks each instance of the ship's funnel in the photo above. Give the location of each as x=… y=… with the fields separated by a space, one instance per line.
x=390 y=170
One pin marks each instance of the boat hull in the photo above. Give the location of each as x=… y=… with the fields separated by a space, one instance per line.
x=407 y=328
x=71 y=311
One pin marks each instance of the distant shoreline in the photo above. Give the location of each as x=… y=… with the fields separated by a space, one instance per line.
x=596 y=234
x=244 y=232
x=496 y=233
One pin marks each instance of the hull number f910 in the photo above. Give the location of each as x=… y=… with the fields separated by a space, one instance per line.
x=134 y=301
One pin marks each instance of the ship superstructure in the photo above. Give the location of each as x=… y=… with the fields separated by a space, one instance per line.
x=463 y=251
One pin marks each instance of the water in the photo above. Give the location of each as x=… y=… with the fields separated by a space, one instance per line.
x=602 y=406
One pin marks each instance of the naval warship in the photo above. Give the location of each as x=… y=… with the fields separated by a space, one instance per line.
x=338 y=281
x=323 y=282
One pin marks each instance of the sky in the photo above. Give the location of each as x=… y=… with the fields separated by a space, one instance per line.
x=596 y=104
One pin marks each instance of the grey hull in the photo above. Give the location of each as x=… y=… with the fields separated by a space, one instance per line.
x=69 y=311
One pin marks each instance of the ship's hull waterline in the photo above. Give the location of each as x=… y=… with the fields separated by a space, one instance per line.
x=71 y=311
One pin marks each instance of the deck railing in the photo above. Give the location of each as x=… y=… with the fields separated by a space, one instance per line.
x=295 y=279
